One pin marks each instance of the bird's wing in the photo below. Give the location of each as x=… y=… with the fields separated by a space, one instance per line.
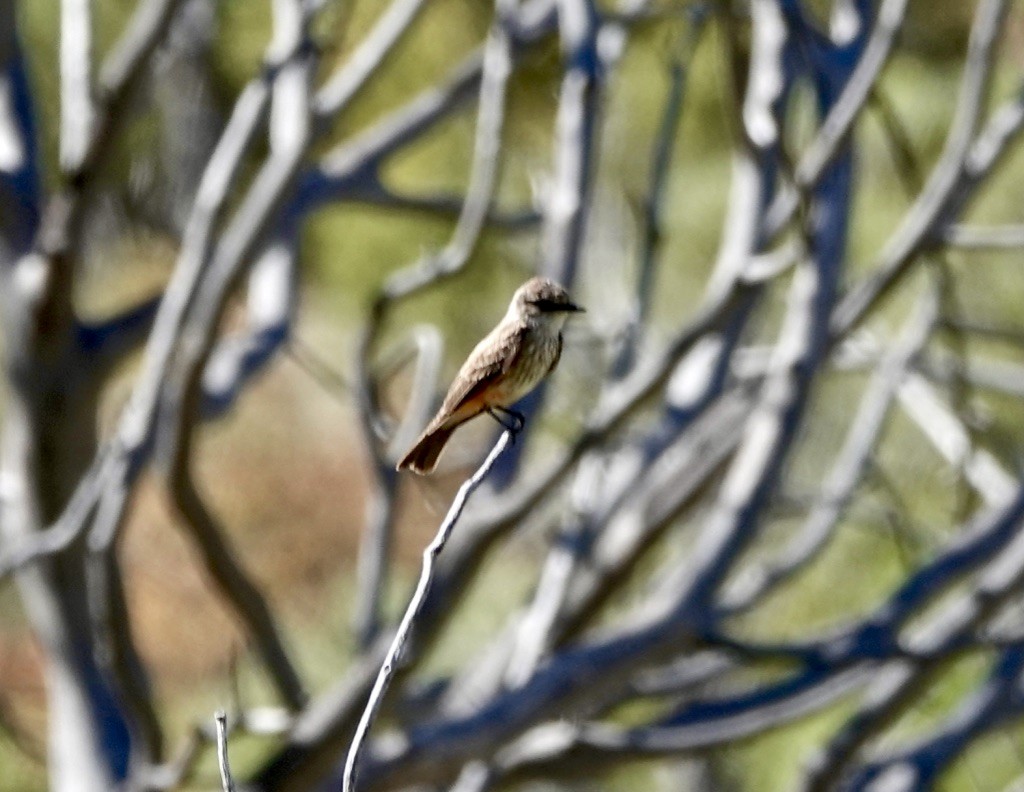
x=490 y=359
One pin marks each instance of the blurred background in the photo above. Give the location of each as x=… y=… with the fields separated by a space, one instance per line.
x=632 y=192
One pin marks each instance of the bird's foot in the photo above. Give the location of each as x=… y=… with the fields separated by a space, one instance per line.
x=510 y=420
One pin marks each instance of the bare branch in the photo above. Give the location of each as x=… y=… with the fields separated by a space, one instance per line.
x=351 y=169
x=166 y=378
x=497 y=65
x=272 y=288
x=136 y=426
x=946 y=432
x=988 y=708
x=76 y=81
x=375 y=546
x=120 y=73
x=576 y=128
x=412 y=612
x=904 y=681
x=999 y=376
x=974 y=238
x=346 y=167
x=373 y=192
x=846 y=473
x=945 y=193
x=342 y=87
x=661 y=161
x=226 y=781
x=844 y=112
x=692 y=729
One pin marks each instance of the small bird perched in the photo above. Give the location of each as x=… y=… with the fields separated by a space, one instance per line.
x=509 y=363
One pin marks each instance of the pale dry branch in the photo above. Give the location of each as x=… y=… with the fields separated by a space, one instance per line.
x=654 y=201
x=990 y=707
x=953 y=440
x=840 y=484
x=946 y=191
x=76 y=80
x=408 y=623
x=119 y=75
x=994 y=238
x=841 y=117
x=904 y=680
x=367 y=58
x=227 y=782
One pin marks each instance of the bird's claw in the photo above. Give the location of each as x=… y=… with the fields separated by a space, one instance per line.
x=510 y=420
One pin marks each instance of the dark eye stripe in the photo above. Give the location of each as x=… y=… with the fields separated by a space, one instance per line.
x=548 y=305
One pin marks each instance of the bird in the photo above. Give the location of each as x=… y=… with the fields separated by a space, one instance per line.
x=507 y=364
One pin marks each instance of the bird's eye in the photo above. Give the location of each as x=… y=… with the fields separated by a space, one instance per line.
x=547 y=305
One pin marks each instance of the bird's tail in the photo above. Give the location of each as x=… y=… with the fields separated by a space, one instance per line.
x=422 y=457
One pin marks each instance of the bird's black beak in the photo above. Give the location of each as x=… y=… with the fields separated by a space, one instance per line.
x=573 y=308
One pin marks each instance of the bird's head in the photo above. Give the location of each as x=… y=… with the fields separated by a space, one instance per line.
x=541 y=298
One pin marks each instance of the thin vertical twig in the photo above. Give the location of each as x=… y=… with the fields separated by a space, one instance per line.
x=398 y=643
x=653 y=219
x=76 y=108
x=227 y=783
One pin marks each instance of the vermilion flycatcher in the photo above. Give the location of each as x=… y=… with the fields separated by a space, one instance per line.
x=511 y=360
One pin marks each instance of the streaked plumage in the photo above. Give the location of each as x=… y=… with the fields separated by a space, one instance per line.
x=506 y=365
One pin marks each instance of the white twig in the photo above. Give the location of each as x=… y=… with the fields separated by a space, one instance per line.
x=227 y=783
x=76 y=110
x=941 y=425
x=984 y=238
x=401 y=638
x=364 y=62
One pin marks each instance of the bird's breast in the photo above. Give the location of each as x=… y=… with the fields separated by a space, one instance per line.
x=538 y=352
